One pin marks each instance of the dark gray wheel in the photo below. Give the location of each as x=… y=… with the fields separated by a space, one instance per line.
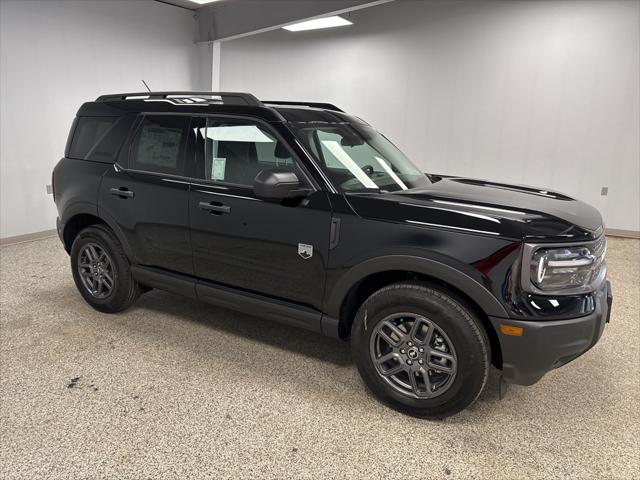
x=421 y=349
x=102 y=271
x=413 y=355
x=96 y=271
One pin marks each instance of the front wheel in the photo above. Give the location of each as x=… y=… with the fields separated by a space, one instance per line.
x=420 y=350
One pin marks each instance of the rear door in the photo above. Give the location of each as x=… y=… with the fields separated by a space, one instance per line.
x=274 y=248
x=146 y=195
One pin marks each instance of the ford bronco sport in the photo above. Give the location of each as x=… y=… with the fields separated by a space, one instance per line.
x=301 y=213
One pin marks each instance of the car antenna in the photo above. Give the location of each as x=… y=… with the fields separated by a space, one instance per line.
x=145 y=84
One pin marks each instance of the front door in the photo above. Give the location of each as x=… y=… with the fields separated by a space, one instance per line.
x=274 y=248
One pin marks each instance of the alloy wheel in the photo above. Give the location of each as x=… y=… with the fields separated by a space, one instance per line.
x=96 y=270
x=413 y=355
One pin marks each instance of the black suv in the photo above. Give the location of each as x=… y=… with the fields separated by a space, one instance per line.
x=300 y=213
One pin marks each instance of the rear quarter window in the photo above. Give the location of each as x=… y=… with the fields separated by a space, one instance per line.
x=87 y=133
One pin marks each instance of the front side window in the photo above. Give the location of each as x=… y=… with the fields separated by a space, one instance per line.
x=159 y=143
x=358 y=158
x=235 y=151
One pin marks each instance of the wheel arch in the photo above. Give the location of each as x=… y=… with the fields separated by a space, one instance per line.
x=363 y=280
x=81 y=220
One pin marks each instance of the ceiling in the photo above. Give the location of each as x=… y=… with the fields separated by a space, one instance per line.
x=228 y=19
x=188 y=4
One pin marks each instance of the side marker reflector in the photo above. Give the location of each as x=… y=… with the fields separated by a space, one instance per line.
x=511 y=330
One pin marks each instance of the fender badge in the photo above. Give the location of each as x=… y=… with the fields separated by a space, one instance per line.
x=305 y=251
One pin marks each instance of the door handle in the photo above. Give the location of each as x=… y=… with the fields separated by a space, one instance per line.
x=122 y=192
x=214 y=209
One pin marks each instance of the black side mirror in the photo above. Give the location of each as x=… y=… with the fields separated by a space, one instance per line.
x=279 y=184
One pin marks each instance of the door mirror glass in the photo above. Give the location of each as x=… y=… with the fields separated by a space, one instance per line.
x=278 y=184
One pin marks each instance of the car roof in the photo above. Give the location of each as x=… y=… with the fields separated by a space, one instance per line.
x=208 y=103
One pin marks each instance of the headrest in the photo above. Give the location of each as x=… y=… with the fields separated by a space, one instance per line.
x=240 y=151
x=281 y=151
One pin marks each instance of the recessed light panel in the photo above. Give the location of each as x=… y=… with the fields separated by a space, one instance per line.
x=326 y=22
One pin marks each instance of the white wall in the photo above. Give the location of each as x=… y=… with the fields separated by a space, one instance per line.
x=55 y=55
x=542 y=93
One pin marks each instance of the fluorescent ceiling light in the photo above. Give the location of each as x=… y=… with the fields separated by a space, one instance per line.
x=202 y=2
x=326 y=22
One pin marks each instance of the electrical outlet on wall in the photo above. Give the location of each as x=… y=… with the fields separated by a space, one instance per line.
x=604 y=191
x=49 y=190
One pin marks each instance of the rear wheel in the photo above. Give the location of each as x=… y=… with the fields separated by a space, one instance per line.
x=420 y=350
x=101 y=270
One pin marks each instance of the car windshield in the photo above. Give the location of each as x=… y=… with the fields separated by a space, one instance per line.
x=359 y=159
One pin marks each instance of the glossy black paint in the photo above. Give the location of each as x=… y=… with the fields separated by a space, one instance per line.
x=550 y=345
x=222 y=243
x=487 y=209
x=154 y=222
x=365 y=240
x=477 y=227
x=254 y=246
x=77 y=184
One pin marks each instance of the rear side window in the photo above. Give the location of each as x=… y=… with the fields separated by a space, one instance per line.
x=159 y=143
x=88 y=132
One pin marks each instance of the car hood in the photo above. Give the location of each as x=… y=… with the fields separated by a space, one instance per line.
x=488 y=208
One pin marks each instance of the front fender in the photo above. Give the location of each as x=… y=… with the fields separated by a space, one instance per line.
x=432 y=268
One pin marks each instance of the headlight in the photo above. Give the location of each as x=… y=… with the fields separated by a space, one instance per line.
x=553 y=269
x=563 y=269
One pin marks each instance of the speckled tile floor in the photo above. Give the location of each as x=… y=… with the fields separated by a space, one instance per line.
x=173 y=388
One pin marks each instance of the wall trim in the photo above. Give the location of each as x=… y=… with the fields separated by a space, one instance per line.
x=616 y=232
x=29 y=237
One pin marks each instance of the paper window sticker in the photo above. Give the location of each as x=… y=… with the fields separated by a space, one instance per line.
x=218 y=166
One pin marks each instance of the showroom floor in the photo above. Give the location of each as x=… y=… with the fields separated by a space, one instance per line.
x=176 y=389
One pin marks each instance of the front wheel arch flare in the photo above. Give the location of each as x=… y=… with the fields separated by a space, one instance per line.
x=433 y=269
x=372 y=283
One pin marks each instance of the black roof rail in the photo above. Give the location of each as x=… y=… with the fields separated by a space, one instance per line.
x=326 y=106
x=234 y=98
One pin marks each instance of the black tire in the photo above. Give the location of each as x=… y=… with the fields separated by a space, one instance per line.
x=438 y=311
x=125 y=290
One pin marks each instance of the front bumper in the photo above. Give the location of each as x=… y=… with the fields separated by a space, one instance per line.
x=550 y=344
